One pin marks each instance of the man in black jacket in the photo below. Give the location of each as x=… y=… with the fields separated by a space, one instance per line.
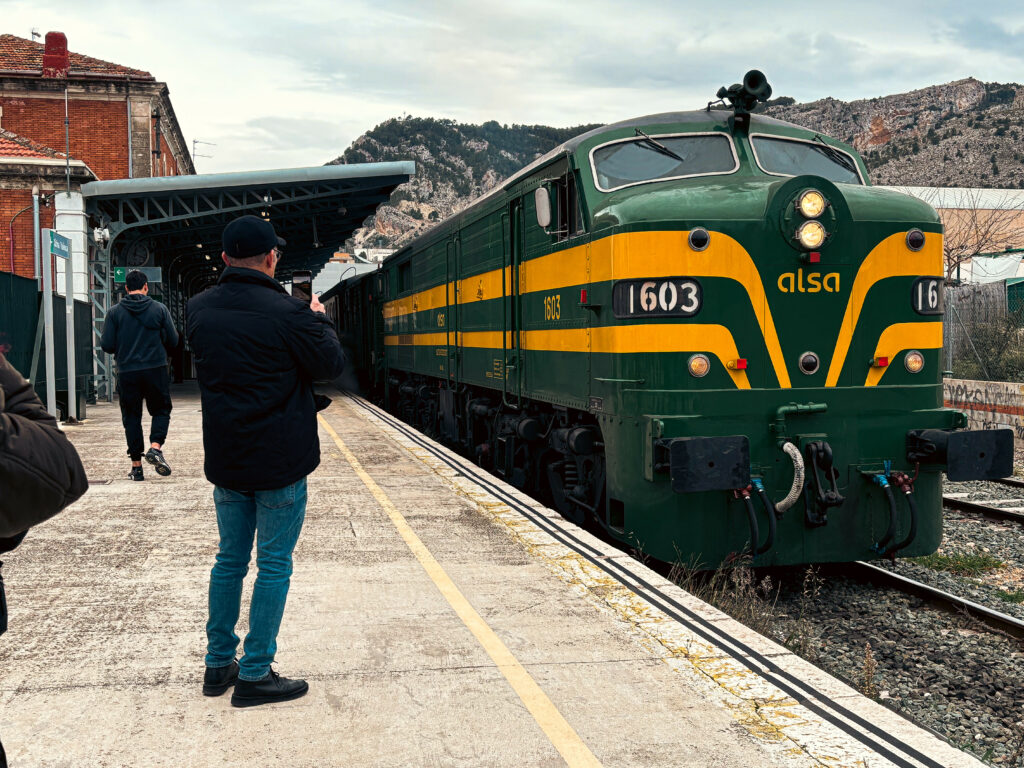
x=40 y=472
x=257 y=352
x=139 y=332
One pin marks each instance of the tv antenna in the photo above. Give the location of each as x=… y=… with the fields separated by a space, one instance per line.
x=196 y=154
x=35 y=33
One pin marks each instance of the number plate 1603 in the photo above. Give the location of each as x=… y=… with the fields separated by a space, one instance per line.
x=661 y=297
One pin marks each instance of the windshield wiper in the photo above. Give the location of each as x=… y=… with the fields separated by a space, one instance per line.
x=840 y=158
x=657 y=146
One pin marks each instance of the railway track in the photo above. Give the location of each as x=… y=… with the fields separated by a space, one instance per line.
x=1012 y=482
x=991 y=618
x=991 y=512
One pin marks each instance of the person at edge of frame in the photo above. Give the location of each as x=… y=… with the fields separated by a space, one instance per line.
x=40 y=471
x=140 y=334
x=257 y=351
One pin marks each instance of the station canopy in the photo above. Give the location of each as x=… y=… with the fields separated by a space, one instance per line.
x=175 y=222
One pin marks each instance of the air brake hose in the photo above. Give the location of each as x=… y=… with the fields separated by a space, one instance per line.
x=884 y=482
x=770 y=509
x=891 y=552
x=752 y=519
x=798 y=477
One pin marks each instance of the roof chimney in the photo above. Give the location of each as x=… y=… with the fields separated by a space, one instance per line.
x=55 y=55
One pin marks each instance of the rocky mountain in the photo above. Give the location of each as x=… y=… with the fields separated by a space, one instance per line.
x=966 y=133
x=962 y=134
x=455 y=164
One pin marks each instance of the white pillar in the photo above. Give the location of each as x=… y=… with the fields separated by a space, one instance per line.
x=72 y=222
x=46 y=264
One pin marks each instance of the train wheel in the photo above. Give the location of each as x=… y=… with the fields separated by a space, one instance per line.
x=557 y=483
x=576 y=485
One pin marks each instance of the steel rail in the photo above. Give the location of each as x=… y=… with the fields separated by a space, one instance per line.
x=1012 y=482
x=993 y=513
x=991 y=618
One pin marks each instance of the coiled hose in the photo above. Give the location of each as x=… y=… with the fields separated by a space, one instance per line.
x=798 y=477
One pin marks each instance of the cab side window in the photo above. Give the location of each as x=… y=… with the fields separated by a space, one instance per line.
x=569 y=221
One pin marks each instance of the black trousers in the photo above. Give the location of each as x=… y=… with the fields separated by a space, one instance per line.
x=153 y=387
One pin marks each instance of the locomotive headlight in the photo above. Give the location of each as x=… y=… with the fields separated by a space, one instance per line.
x=914 y=361
x=811 y=204
x=811 y=234
x=699 y=365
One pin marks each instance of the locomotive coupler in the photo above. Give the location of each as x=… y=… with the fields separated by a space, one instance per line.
x=819 y=499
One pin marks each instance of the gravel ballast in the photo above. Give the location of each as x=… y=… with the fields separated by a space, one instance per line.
x=943 y=670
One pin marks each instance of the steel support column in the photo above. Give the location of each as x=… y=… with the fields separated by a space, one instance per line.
x=101 y=278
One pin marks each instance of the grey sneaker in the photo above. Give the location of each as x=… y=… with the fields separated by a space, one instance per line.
x=156 y=457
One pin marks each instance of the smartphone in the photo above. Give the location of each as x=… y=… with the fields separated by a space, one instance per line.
x=302 y=285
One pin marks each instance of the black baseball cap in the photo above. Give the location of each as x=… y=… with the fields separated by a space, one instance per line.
x=249 y=236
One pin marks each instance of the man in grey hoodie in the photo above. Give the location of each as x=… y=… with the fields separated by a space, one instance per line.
x=139 y=333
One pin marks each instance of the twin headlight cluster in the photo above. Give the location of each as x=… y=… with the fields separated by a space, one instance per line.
x=811 y=204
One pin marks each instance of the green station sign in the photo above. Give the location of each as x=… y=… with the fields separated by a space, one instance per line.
x=153 y=274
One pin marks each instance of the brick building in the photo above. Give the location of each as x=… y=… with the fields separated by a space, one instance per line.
x=121 y=124
x=24 y=164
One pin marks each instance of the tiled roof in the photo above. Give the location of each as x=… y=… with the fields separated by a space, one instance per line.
x=13 y=145
x=17 y=53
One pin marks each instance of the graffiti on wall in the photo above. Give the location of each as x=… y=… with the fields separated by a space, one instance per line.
x=988 y=404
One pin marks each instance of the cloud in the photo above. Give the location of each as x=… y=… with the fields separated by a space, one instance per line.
x=275 y=84
x=979 y=34
x=276 y=133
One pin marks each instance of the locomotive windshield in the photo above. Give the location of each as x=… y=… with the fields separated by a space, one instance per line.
x=643 y=159
x=790 y=157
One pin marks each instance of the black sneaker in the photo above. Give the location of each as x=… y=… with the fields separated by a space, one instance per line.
x=136 y=474
x=219 y=679
x=273 y=687
x=156 y=457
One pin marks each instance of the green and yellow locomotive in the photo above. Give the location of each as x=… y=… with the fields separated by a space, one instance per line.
x=703 y=330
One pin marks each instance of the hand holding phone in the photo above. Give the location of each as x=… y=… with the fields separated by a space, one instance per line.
x=302 y=285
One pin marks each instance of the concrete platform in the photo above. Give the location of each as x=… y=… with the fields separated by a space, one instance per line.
x=441 y=618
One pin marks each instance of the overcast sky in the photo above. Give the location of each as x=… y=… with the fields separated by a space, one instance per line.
x=286 y=84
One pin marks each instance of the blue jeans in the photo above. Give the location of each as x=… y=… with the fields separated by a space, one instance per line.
x=275 y=518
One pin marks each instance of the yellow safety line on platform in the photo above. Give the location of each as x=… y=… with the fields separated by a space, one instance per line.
x=568 y=743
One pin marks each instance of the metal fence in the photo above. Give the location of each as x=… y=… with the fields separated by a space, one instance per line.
x=983 y=332
x=19 y=310
x=21 y=336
